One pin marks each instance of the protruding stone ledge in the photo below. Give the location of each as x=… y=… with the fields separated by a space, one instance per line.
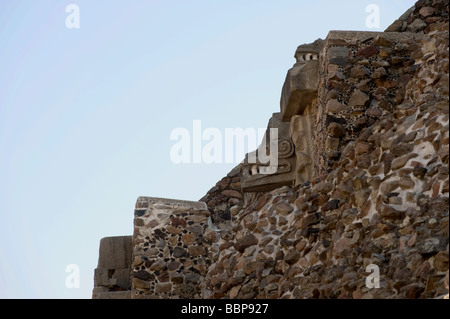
x=338 y=37
x=145 y=201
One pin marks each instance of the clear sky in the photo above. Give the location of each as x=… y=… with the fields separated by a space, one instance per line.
x=86 y=113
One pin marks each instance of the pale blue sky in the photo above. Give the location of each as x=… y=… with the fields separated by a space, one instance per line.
x=86 y=114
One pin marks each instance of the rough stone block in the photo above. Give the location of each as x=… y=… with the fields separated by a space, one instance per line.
x=122 y=277
x=115 y=252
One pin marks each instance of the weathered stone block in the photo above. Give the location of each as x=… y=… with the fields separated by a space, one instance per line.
x=334 y=107
x=122 y=277
x=101 y=278
x=301 y=132
x=358 y=99
x=115 y=252
x=300 y=86
x=245 y=242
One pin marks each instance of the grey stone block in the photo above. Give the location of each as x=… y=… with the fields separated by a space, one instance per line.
x=122 y=276
x=115 y=252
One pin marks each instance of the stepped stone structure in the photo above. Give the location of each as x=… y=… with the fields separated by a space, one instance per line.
x=362 y=183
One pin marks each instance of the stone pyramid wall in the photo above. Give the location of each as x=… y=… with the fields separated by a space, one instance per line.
x=366 y=212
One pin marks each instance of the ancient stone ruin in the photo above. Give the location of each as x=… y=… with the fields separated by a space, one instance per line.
x=361 y=183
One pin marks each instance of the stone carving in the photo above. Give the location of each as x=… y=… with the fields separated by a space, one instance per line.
x=302 y=80
x=299 y=90
x=254 y=173
x=300 y=130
